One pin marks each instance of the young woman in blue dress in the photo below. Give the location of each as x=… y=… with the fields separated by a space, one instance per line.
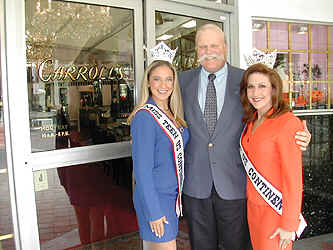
x=158 y=172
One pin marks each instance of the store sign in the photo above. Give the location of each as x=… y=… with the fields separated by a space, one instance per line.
x=50 y=131
x=74 y=73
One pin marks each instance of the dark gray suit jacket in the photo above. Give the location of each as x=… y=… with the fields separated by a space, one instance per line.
x=219 y=164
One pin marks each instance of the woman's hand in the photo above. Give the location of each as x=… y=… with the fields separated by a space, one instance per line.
x=157 y=226
x=303 y=138
x=285 y=237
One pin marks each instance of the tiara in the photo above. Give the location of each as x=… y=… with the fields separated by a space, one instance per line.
x=162 y=52
x=258 y=56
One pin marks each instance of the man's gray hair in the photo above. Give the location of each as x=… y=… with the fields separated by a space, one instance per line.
x=210 y=26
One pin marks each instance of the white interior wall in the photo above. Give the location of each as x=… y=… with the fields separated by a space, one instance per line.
x=297 y=10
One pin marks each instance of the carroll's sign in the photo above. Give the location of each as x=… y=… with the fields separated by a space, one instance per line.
x=47 y=73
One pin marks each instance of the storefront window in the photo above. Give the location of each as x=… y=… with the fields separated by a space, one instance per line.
x=304 y=60
x=80 y=72
x=179 y=32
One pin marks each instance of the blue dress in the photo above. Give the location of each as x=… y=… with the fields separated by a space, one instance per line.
x=156 y=187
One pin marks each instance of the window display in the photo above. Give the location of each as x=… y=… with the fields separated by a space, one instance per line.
x=80 y=72
x=304 y=60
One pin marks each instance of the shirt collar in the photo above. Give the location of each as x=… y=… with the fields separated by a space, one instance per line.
x=221 y=73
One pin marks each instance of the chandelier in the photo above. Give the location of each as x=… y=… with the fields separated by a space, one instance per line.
x=60 y=22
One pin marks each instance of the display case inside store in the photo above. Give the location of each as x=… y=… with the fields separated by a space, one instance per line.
x=80 y=77
x=304 y=61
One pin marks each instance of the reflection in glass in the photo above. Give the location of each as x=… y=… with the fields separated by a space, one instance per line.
x=6 y=223
x=299 y=36
x=87 y=205
x=179 y=32
x=80 y=70
x=278 y=35
x=319 y=35
x=259 y=34
x=318 y=176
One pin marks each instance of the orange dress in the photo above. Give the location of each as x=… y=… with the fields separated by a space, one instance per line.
x=273 y=151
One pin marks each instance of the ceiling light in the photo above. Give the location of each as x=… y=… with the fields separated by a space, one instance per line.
x=158 y=18
x=302 y=29
x=164 y=37
x=190 y=24
x=257 y=26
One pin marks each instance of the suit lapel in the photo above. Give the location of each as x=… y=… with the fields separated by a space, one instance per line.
x=194 y=102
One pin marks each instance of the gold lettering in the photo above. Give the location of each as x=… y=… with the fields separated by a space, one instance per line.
x=89 y=72
x=82 y=71
x=70 y=70
x=40 y=70
x=91 y=76
x=59 y=73
x=120 y=70
x=101 y=72
x=110 y=74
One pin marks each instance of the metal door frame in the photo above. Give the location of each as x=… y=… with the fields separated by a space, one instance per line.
x=21 y=162
x=228 y=14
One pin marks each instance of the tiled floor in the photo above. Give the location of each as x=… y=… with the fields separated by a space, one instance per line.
x=59 y=230
x=322 y=242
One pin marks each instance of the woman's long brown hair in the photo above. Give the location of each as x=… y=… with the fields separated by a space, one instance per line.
x=279 y=105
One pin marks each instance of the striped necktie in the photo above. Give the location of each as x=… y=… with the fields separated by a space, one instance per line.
x=210 y=112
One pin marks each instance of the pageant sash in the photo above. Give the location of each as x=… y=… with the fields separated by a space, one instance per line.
x=176 y=139
x=267 y=191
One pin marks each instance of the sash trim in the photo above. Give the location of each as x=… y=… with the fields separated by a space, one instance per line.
x=176 y=140
x=271 y=195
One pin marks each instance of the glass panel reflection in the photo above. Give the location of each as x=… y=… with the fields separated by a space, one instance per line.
x=259 y=34
x=87 y=205
x=318 y=176
x=179 y=32
x=80 y=71
x=278 y=35
x=6 y=223
x=299 y=36
x=319 y=37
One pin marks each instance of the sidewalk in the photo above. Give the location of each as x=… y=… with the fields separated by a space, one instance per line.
x=322 y=242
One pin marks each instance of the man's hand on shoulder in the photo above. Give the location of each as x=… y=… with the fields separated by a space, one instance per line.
x=303 y=138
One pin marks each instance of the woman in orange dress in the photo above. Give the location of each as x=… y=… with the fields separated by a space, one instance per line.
x=268 y=141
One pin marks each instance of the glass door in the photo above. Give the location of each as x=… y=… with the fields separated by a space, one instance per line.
x=177 y=22
x=7 y=206
x=72 y=70
x=72 y=78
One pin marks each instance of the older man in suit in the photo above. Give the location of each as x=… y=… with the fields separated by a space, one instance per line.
x=215 y=182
